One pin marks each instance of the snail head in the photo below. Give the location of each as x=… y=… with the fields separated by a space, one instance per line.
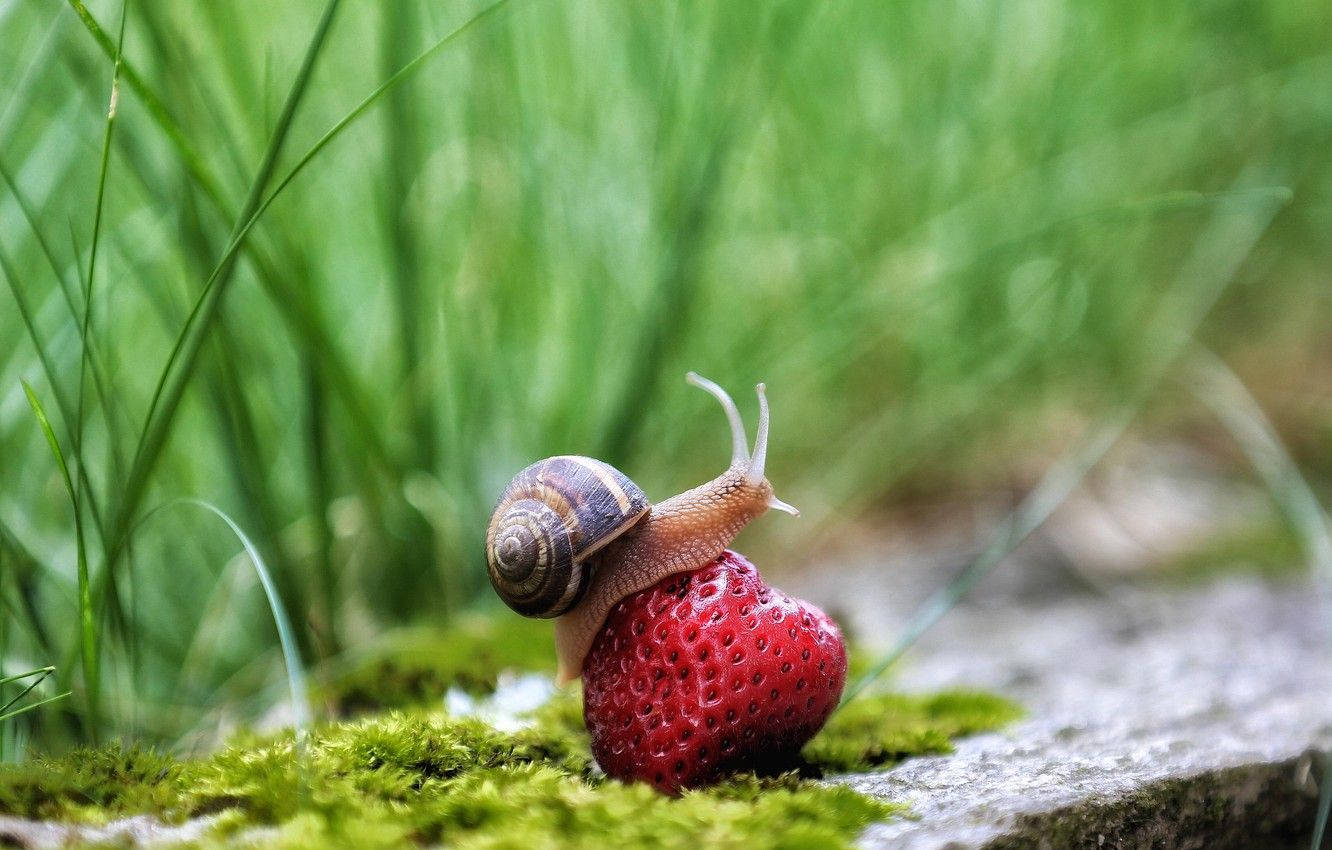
x=748 y=465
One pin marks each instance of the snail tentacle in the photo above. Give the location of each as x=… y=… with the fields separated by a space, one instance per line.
x=754 y=475
x=759 y=456
x=778 y=505
x=739 y=451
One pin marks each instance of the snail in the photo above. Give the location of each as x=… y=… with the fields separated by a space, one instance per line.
x=571 y=536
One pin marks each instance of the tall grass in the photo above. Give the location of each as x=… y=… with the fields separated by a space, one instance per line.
x=352 y=270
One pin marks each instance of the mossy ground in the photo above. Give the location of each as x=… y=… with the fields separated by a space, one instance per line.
x=879 y=731
x=415 y=776
x=413 y=667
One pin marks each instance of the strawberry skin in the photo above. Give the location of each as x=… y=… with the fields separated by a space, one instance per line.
x=708 y=672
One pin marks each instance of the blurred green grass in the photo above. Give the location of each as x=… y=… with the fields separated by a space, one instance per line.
x=936 y=230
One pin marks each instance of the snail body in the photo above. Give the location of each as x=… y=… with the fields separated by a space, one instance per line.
x=572 y=536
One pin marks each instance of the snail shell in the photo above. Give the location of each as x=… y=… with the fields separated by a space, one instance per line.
x=552 y=517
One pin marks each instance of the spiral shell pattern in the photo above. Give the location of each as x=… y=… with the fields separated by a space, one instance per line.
x=553 y=516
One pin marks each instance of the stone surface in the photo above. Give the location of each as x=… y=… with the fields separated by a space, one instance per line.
x=137 y=831
x=1157 y=717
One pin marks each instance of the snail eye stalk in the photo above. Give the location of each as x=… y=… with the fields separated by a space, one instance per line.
x=739 y=452
x=754 y=475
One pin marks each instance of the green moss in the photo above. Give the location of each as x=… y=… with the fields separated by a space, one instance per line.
x=89 y=784
x=411 y=778
x=425 y=779
x=561 y=719
x=388 y=759
x=412 y=668
x=881 y=730
x=526 y=806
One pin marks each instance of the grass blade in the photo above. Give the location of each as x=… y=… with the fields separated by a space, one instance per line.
x=291 y=656
x=403 y=152
x=87 y=620
x=26 y=315
x=1221 y=390
x=85 y=345
x=33 y=705
x=38 y=676
x=98 y=207
x=41 y=672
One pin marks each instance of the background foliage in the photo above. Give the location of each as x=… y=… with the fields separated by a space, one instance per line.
x=946 y=234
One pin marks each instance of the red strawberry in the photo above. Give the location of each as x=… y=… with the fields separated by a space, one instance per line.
x=708 y=672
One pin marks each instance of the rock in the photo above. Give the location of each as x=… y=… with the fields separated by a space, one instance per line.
x=1175 y=718
x=137 y=831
